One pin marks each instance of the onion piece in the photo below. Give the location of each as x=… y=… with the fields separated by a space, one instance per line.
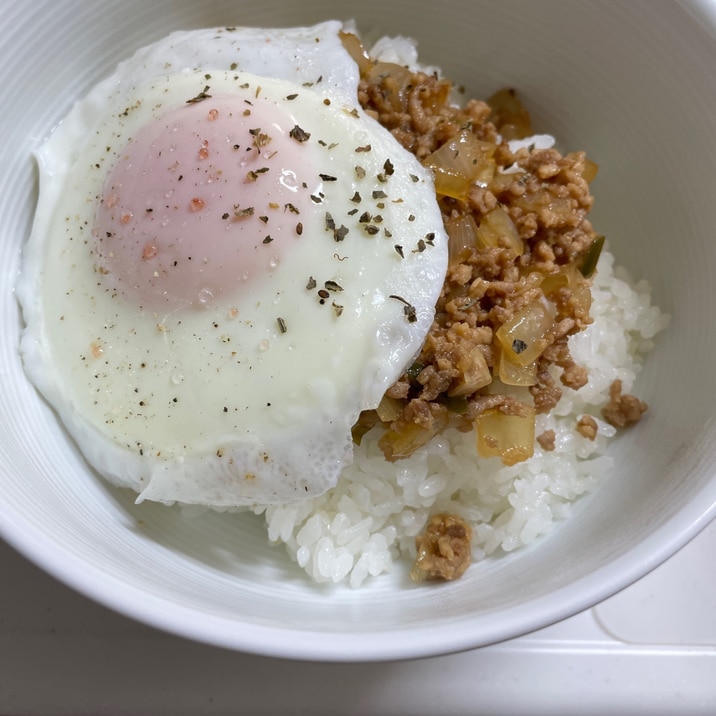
x=580 y=287
x=496 y=225
x=509 y=115
x=354 y=47
x=590 y=171
x=394 y=81
x=553 y=282
x=512 y=373
x=462 y=236
x=509 y=437
x=526 y=334
x=396 y=445
x=475 y=374
x=460 y=163
x=389 y=409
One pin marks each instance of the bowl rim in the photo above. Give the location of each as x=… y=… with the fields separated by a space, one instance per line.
x=463 y=634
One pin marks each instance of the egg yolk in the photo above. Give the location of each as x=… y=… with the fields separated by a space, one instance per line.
x=197 y=195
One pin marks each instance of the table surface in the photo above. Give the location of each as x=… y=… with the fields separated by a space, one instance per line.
x=649 y=650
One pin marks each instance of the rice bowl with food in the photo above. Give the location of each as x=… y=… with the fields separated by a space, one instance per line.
x=213 y=574
x=491 y=430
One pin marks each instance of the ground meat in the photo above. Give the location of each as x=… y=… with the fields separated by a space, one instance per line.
x=545 y=392
x=587 y=426
x=622 y=410
x=531 y=207
x=444 y=550
x=546 y=440
x=574 y=376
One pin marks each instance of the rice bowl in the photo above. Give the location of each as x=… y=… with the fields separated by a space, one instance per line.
x=161 y=568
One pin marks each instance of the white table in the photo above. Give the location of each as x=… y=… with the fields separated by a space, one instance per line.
x=649 y=650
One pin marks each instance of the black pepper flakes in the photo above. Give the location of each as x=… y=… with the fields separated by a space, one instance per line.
x=254 y=174
x=200 y=97
x=408 y=309
x=299 y=134
x=243 y=213
x=311 y=283
x=518 y=346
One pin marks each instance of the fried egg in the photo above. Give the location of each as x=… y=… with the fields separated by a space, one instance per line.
x=229 y=261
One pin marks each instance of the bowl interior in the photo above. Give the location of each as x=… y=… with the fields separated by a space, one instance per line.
x=629 y=83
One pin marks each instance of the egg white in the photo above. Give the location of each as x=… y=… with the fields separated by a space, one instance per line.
x=226 y=404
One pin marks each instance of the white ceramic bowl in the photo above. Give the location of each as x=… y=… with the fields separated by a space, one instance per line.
x=632 y=83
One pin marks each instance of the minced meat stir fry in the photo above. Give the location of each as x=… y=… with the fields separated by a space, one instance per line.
x=443 y=550
x=521 y=254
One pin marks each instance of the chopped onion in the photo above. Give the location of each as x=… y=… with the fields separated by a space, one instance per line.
x=512 y=373
x=509 y=437
x=580 y=287
x=504 y=179
x=496 y=225
x=475 y=374
x=462 y=236
x=394 y=80
x=561 y=207
x=509 y=116
x=590 y=171
x=553 y=282
x=354 y=47
x=569 y=276
x=396 y=445
x=460 y=163
x=526 y=334
x=389 y=409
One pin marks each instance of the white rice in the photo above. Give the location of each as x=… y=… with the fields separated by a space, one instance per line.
x=359 y=528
